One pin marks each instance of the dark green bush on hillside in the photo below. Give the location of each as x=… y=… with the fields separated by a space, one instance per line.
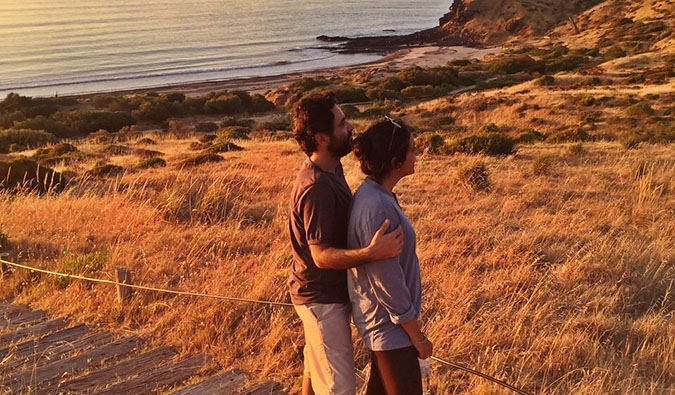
x=565 y=63
x=613 y=52
x=432 y=143
x=639 y=109
x=350 y=111
x=226 y=104
x=58 y=129
x=530 y=136
x=485 y=143
x=233 y=133
x=175 y=97
x=26 y=174
x=383 y=94
x=158 y=109
x=25 y=138
x=206 y=127
x=516 y=64
x=83 y=122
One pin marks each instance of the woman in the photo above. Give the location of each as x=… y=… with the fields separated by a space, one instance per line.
x=386 y=295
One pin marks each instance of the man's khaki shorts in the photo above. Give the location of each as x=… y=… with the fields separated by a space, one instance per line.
x=329 y=353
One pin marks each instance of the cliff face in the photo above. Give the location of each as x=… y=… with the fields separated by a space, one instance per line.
x=492 y=22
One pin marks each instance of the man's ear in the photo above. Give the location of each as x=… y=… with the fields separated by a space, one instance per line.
x=321 y=139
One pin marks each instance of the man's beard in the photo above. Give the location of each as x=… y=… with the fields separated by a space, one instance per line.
x=340 y=148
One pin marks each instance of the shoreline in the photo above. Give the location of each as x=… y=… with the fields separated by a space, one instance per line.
x=424 y=56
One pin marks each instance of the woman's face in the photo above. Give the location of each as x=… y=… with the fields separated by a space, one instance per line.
x=408 y=167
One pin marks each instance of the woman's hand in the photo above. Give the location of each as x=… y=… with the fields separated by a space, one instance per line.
x=424 y=348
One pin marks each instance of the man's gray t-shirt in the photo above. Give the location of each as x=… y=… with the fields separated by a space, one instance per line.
x=383 y=293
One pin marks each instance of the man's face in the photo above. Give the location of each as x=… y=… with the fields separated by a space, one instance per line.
x=340 y=143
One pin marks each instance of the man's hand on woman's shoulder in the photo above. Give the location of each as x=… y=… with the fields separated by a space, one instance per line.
x=385 y=245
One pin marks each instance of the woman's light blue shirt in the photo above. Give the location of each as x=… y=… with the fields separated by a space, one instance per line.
x=384 y=293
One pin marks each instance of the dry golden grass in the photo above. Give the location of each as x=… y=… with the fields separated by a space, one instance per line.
x=558 y=283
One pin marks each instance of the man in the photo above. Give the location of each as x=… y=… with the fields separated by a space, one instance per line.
x=319 y=212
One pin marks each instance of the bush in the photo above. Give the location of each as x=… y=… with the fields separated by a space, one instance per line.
x=350 y=111
x=223 y=146
x=102 y=169
x=578 y=134
x=84 y=264
x=546 y=80
x=27 y=138
x=432 y=143
x=613 y=52
x=576 y=149
x=84 y=122
x=56 y=128
x=233 y=133
x=474 y=175
x=26 y=174
x=260 y=104
x=349 y=94
x=639 y=109
x=418 y=91
x=206 y=127
x=232 y=121
x=158 y=109
x=175 y=97
x=202 y=159
x=631 y=141
x=565 y=63
x=383 y=94
x=530 y=136
x=486 y=143
x=391 y=84
x=151 y=162
x=146 y=141
x=515 y=64
x=279 y=123
x=115 y=150
x=586 y=101
x=542 y=165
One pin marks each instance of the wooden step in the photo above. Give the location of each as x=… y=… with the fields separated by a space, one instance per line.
x=266 y=388
x=32 y=346
x=31 y=380
x=23 y=319
x=224 y=383
x=56 y=352
x=10 y=310
x=125 y=370
x=37 y=330
x=162 y=377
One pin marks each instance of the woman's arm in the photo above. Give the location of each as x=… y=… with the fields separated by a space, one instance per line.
x=419 y=340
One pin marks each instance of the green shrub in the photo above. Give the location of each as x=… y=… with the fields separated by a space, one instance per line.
x=202 y=159
x=279 y=123
x=260 y=104
x=56 y=128
x=515 y=64
x=383 y=94
x=530 y=136
x=206 y=127
x=350 y=110
x=418 y=91
x=576 y=149
x=639 y=109
x=175 y=97
x=631 y=141
x=207 y=138
x=432 y=143
x=225 y=104
x=233 y=133
x=151 y=162
x=84 y=264
x=486 y=143
x=391 y=84
x=26 y=174
x=115 y=150
x=83 y=122
x=546 y=80
x=146 y=141
x=474 y=175
x=223 y=146
x=102 y=169
x=586 y=101
x=349 y=94
x=25 y=138
x=375 y=111
x=541 y=165
x=233 y=121
x=565 y=63
x=491 y=128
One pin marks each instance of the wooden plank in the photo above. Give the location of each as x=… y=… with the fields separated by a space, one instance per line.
x=162 y=377
x=125 y=370
x=55 y=352
x=31 y=380
x=11 y=311
x=32 y=346
x=29 y=318
x=38 y=330
x=224 y=383
x=266 y=388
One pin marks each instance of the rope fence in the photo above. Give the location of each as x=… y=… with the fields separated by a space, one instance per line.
x=234 y=299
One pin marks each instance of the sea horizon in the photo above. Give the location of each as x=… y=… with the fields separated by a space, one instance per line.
x=69 y=48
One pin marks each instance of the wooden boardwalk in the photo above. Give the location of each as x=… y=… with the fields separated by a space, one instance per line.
x=48 y=356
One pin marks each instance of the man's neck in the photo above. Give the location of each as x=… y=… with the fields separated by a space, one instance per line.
x=325 y=161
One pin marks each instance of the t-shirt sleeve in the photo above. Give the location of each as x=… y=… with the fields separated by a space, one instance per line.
x=386 y=277
x=318 y=211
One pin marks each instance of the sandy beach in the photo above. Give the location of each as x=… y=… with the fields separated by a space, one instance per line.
x=427 y=56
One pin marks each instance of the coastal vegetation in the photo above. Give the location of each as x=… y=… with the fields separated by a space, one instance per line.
x=543 y=203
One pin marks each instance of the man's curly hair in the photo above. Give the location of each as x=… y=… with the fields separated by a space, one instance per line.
x=311 y=115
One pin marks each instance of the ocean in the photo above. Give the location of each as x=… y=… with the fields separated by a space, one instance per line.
x=86 y=46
